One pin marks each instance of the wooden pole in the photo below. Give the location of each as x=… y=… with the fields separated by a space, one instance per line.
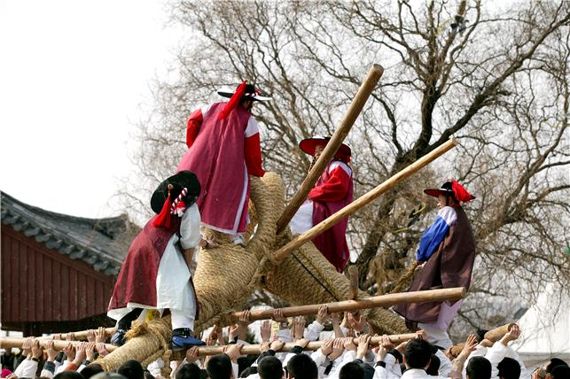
x=80 y=335
x=353 y=276
x=496 y=334
x=371 y=302
x=364 y=200
x=330 y=150
x=255 y=349
x=10 y=342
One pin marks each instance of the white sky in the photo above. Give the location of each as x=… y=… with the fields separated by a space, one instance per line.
x=73 y=77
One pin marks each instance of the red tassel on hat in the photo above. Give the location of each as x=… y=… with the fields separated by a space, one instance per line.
x=234 y=100
x=163 y=219
x=460 y=192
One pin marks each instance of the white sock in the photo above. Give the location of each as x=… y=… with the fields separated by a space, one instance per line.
x=180 y=320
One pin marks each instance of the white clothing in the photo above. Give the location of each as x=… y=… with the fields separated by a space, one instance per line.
x=437 y=331
x=26 y=369
x=313 y=331
x=445 y=364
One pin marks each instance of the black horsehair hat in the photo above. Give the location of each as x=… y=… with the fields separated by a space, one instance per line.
x=183 y=179
x=251 y=93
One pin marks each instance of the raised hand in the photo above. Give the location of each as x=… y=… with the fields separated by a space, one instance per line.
x=322 y=314
x=101 y=349
x=277 y=345
x=470 y=345
x=349 y=344
x=233 y=351
x=91 y=337
x=80 y=354
x=298 y=327
x=90 y=350
x=265 y=330
x=100 y=335
x=192 y=354
x=51 y=352
x=363 y=342
x=27 y=347
x=278 y=315
x=511 y=335
x=327 y=347
x=69 y=351
x=37 y=351
x=338 y=349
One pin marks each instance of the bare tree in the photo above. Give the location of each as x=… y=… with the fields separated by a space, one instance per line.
x=496 y=78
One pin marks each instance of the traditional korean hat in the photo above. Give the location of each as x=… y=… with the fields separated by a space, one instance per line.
x=173 y=196
x=451 y=188
x=309 y=145
x=247 y=92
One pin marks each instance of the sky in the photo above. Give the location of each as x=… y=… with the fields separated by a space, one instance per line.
x=74 y=80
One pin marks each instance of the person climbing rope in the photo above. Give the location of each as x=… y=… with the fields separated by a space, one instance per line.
x=332 y=192
x=223 y=150
x=445 y=259
x=157 y=273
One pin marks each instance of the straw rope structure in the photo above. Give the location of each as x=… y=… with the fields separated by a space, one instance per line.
x=228 y=274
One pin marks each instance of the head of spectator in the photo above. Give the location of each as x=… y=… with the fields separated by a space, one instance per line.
x=148 y=374
x=188 y=371
x=554 y=362
x=560 y=372
x=418 y=354
x=478 y=368
x=91 y=369
x=509 y=369
x=433 y=368
x=301 y=366
x=69 y=375
x=219 y=367
x=351 y=370
x=108 y=375
x=132 y=370
x=270 y=368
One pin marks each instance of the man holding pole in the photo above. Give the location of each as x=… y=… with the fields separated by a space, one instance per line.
x=332 y=192
x=445 y=259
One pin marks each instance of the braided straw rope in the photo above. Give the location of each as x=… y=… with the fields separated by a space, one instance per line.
x=227 y=275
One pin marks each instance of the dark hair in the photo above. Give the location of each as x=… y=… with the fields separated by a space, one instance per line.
x=91 y=370
x=560 y=372
x=554 y=362
x=301 y=366
x=219 y=367
x=433 y=368
x=479 y=368
x=188 y=371
x=351 y=370
x=68 y=375
x=509 y=369
x=418 y=353
x=132 y=370
x=147 y=374
x=270 y=368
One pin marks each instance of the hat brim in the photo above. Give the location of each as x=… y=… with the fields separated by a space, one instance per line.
x=229 y=93
x=183 y=179
x=309 y=145
x=435 y=192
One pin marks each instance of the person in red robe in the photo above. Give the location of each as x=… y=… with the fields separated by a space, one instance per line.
x=445 y=258
x=332 y=192
x=223 y=150
x=157 y=273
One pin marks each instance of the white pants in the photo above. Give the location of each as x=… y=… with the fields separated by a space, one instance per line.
x=437 y=331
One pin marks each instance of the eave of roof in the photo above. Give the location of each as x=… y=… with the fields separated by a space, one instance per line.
x=97 y=242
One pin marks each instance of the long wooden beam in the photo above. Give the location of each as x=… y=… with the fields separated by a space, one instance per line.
x=496 y=334
x=79 y=335
x=362 y=201
x=255 y=349
x=330 y=150
x=455 y=293
x=11 y=342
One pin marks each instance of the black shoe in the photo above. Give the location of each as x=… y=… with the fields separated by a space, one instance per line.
x=118 y=338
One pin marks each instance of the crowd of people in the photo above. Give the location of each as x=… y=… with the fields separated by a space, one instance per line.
x=345 y=353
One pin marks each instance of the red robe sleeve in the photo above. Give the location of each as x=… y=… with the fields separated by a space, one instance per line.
x=334 y=189
x=253 y=155
x=193 y=127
